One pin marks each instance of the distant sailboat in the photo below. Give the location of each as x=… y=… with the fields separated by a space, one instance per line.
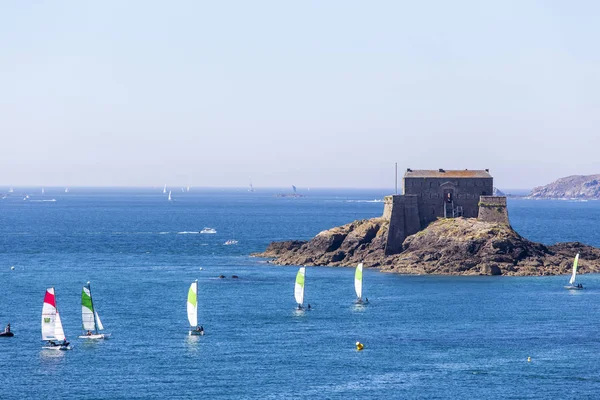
x=11 y=190
x=251 y=188
x=170 y=196
x=299 y=288
x=43 y=191
x=66 y=190
x=572 y=285
x=192 y=310
x=188 y=188
x=165 y=189
x=52 y=329
x=89 y=316
x=358 y=283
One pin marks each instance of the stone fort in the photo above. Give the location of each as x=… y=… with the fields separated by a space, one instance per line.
x=432 y=194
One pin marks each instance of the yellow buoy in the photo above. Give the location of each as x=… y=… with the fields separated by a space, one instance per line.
x=359 y=346
x=528 y=359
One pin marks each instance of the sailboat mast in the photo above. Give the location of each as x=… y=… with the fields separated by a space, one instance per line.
x=93 y=309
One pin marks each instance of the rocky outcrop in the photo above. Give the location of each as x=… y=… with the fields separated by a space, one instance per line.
x=571 y=187
x=460 y=246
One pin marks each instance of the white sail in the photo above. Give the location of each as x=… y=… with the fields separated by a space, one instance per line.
x=98 y=322
x=49 y=315
x=192 y=304
x=165 y=189
x=59 y=333
x=572 y=280
x=358 y=280
x=299 y=287
x=169 y=195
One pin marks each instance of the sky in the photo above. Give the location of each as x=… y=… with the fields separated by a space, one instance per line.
x=310 y=93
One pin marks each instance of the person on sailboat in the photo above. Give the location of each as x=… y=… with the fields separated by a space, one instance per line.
x=7 y=329
x=89 y=333
x=64 y=342
x=200 y=328
x=308 y=307
x=299 y=307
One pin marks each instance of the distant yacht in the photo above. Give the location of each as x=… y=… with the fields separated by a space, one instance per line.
x=66 y=190
x=208 y=230
x=165 y=189
x=188 y=188
x=42 y=191
x=170 y=196
x=251 y=188
x=230 y=242
x=293 y=194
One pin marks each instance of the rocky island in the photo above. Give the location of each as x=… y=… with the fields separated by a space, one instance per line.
x=570 y=187
x=413 y=236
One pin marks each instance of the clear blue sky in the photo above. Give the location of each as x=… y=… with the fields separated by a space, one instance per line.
x=311 y=93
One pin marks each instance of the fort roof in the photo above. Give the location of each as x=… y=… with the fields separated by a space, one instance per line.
x=442 y=173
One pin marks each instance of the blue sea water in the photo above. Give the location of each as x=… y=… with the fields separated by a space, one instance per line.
x=424 y=336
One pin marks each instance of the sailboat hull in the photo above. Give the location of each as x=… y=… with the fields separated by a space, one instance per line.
x=97 y=336
x=570 y=287
x=196 y=333
x=57 y=348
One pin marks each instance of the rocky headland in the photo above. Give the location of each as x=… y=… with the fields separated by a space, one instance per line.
x=457 y=246
x=570 y=187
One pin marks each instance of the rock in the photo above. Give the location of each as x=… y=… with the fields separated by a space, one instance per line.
x=459 y=246
x=570 y=187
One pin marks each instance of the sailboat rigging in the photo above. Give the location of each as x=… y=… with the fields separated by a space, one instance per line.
x=90 y=319
x=192 y=310
x=52 y=329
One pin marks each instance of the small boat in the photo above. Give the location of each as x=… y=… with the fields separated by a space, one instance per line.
x=170 y=196
x=192 y=310
x=230 y=242
x=208 y=230
x=572 y=285
x=299 y=288
x=358 y=284
x=7 y=332
x=90 y=319
x=165 y=189
x=52 y=329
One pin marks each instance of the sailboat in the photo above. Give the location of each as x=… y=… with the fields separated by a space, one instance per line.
x=358 y=283
x=52 y=330
x=572 y=285
x=170 y=196
x=299 y=288
x=89 y=316
x=165 y=189
x=251 y=188
x=43 y=191
x=192 y=310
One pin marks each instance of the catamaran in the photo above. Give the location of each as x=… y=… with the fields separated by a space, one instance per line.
x=358 y=278
x=192 y=310
x=52 y=330
x=90 y=319
x=572 y=285
x=299 y=288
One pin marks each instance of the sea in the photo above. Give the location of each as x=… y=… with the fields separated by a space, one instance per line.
x=425 y=337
